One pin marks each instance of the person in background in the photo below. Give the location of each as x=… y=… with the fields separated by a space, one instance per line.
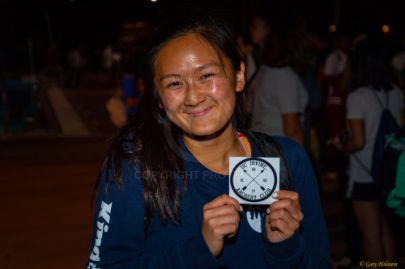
x=122 y=106
x=335 y=86
x=132 y=88
x=252 y=50
x=335 y=62
x=107 y=57
x=373 y=90
x=398 y=63
x=76 y=63
x=276 y=97
x=132 y=85
x=315 y=120
x=163 y=194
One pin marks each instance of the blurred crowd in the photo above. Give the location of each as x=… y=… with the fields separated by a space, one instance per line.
x=328 y=94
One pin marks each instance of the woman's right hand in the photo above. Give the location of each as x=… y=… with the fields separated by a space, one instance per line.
x=220 y=218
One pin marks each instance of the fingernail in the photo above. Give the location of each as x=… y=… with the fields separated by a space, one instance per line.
x=240 y=208
x=268 y=210
x=274 y=195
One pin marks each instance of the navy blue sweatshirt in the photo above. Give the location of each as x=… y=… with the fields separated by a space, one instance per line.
x=119 y=240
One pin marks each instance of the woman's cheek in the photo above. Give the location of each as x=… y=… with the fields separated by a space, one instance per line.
x=224 y=95
x=219 y=90
x=171 y=100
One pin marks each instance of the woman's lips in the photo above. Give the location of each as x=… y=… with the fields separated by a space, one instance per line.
x=199 y=113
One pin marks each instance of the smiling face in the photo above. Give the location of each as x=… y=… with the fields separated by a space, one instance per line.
x=196 y=87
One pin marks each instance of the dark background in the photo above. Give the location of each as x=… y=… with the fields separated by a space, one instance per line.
x=88 y=19
x=34 y=32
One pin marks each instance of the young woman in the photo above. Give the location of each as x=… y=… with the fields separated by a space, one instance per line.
x=163 y=196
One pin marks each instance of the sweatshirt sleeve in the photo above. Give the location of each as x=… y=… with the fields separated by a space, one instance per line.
x=118 y=239
x=309 y=246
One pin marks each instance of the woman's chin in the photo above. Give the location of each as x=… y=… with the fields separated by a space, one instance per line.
x=200 y=132
x=206 y=132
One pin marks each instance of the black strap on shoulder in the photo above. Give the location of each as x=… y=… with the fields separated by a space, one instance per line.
x=379 y=100
x=269 y=147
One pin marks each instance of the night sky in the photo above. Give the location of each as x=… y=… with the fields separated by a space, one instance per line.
x=89 y=19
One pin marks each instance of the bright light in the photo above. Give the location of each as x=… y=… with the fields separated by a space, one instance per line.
x=385 y=28
x=153 y=1
x=332 y=28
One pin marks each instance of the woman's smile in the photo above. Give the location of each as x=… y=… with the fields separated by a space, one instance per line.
x=196 y=113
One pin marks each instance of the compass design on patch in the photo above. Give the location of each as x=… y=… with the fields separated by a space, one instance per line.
x=253 y=180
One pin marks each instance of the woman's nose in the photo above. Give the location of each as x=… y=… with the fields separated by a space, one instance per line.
x=194 y=94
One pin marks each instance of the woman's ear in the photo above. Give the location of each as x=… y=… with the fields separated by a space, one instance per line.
x=240 y=78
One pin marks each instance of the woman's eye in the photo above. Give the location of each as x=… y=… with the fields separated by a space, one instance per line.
x=173 y=84
x=206 y=76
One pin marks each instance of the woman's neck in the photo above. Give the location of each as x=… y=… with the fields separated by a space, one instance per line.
x=214 y=153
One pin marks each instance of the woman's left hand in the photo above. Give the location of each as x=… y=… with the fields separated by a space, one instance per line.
x=284 y=218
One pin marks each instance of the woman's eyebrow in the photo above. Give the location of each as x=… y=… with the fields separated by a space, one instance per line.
x=205 y=66
x=198 y=69
x=169 y=76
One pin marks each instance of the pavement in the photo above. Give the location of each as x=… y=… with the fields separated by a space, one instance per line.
x=48 y=178
x=45 y=202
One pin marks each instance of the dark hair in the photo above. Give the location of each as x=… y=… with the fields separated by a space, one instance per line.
x=284 y=44
x=369 y=64
x=151 y=140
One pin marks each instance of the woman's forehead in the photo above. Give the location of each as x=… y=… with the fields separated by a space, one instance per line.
x=188 y=47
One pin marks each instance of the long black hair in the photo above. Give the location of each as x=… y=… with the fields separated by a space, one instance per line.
x=151 y=141
x=370 y=64
x=284 y=45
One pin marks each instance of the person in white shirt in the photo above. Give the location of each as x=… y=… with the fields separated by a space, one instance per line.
x=276 y=97
x=373 y=90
